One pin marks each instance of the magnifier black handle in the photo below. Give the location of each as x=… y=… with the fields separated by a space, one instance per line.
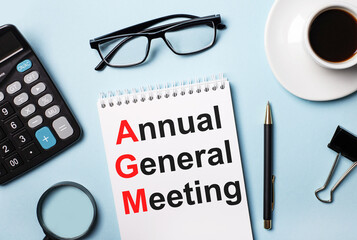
x=48 y=238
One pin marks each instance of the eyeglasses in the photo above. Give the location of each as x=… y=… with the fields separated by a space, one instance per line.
x=130 y=46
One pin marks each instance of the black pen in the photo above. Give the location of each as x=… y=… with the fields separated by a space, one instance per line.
x=268 y=175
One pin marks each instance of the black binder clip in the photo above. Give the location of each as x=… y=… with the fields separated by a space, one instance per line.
x=345 y=144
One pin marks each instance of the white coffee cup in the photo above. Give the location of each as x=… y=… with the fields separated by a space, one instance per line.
x=322 y=62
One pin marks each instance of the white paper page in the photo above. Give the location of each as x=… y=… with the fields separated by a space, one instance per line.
x=187 y=213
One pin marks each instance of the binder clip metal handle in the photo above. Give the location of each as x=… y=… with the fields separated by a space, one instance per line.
x=345 y=144
x=329 y=179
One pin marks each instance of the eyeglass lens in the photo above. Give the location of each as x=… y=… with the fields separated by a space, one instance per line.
x=134 y=49
x=128 y=50
x=192 y=38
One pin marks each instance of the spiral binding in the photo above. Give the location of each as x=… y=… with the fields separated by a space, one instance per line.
x=195 y=86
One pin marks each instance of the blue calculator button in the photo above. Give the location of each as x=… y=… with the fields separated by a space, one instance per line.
x=24 y=65
x=45 y=138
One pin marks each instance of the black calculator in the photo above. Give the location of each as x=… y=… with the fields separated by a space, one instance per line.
x=35 y=121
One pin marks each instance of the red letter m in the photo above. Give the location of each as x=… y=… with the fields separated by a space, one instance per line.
x=140 y=196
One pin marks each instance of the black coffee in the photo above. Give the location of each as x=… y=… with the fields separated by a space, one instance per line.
x=333 y=35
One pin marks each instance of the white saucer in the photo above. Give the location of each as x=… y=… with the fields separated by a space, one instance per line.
x=289 y=60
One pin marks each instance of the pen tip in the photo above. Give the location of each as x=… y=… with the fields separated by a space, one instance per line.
x=268 y=116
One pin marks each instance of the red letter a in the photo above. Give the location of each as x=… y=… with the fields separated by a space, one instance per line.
x=130 y=134
x=140 y=195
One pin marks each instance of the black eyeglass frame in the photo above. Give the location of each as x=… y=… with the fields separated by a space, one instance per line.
x=143 y=29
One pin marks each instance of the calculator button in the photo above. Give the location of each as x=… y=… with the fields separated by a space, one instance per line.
x=24 y=65
x=2 y=171
x=38 y=88
x=28 y=110
x=13 y=124
x=1 y=96
x=31 y=152
x=13 y=87
x=35 y=121
x=13 y=162
x=6 y=148
x=52 y=111
x=2 y=134
x=6 y=111
x=44 y=100
x=21 y=99
x=45 y=138
x=22 y=138
x=62 y=127
x=31 y=77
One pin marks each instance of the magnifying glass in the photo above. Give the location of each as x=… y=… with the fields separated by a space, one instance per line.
x=66 y=211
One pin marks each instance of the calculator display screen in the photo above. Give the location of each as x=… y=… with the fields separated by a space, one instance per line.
x=9 y=46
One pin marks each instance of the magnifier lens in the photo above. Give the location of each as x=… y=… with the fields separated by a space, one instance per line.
x=66 y=212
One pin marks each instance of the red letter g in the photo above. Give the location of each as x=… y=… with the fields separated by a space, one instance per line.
x=133 y=167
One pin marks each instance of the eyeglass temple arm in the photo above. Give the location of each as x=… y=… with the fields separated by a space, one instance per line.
x=141 y=26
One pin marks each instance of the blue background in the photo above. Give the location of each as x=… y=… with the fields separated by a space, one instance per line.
x=59 y=32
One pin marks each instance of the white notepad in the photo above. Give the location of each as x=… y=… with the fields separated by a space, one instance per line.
x=174 y=163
